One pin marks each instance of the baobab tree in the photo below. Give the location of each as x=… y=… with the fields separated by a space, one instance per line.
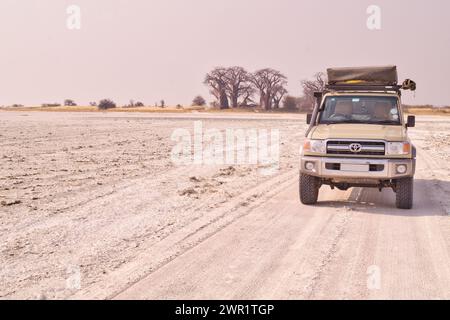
x=237 y=84
x=216 y=80
x=268 y=82
x=278 y=94
x=247 y=96
x=315 y=85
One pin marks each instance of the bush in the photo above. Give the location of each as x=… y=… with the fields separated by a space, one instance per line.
x=106 y=104
x=69 y=103
x=198 y=101
x=290 y=103
x=51 y=105
x=133 y=104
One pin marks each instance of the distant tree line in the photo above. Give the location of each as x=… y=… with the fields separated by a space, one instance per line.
x=235 y=87
x=102 y=104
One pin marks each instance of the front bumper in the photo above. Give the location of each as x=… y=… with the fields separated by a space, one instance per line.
x=342 y=168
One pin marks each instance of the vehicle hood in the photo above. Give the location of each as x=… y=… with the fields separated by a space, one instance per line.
x=358 y=131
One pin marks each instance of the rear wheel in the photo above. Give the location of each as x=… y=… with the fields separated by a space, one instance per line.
x=308 y=189
x=405 y=193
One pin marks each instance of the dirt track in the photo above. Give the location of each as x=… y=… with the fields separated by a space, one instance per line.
x=97 y=193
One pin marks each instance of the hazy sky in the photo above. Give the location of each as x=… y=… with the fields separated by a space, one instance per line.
x=150 y=50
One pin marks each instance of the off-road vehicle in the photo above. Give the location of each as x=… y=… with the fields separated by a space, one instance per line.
x=358 y=136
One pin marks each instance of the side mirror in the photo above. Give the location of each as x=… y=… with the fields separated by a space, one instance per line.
x=411 y=122
x=308 y=118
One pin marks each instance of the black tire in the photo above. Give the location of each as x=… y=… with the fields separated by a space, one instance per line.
x=405 y=193
x=308 y=189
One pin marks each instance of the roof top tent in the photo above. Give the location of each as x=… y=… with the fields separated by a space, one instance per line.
x=366 y=79
x=386 y=76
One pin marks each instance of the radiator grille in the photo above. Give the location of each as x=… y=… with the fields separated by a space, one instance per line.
x=373 y=148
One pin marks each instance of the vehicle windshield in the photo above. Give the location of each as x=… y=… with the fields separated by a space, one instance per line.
x=360 y=109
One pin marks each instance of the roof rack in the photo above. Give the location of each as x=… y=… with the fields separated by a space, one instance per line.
x=408 y=84
x=364 y=88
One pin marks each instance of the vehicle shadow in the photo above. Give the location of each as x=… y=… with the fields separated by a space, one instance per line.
x=372 y=201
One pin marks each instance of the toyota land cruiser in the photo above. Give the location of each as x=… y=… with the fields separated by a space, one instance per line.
x=358 y=136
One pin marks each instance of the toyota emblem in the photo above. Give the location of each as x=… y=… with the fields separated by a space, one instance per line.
x=355 y=147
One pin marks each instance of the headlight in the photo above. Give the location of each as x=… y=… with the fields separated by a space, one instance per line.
x=398 y=148
x=316 y=146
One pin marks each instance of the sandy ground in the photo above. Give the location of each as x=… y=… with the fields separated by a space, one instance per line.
x=91 y=206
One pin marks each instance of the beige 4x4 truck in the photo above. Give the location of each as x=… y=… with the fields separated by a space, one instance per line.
x=358 y=136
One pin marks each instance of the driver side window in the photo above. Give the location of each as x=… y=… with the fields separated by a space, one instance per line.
x=343 y=109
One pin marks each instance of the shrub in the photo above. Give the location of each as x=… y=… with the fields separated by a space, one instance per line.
x=198 y=101
x=290 y=103
x=69 y=103
x=106 y=104
x=51 y=105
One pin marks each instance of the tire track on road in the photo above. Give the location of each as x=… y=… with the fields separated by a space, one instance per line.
x=185 y=239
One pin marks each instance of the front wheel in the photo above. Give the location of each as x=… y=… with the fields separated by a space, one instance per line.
x=308 y=189
x=405 y=193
